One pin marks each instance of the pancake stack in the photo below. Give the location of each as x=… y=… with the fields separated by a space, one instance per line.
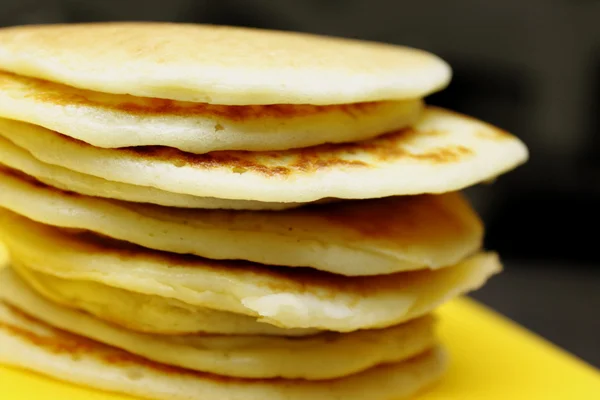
x=208 y=212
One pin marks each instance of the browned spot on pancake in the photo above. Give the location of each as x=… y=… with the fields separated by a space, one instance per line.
x=392 y=147
x=366 y=154
x=62 y=95
x=421 y=219
x=496 y=134
x=266 y=163
x=444 y=155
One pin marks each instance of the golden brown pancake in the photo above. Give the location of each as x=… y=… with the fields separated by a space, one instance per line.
x=366 y=237
x=443 y=152
x=109 y=120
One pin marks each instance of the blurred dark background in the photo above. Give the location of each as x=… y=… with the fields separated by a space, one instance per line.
x=531 y=67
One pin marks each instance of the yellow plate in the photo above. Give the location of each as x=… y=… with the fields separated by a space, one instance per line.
x=492 y=359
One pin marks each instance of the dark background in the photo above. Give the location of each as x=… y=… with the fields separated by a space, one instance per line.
x=531 y=67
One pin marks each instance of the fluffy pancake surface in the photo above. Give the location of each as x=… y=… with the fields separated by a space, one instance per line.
x=285 y=297
x=442 y=152
x=30 y=344
x=367 y=237
x=219 y=64
x=322 y=356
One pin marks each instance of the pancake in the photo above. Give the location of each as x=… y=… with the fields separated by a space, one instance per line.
x=63 y=261
x=443 y=152
x=220 y=64
x=106 y=120
x=147 y=313
x=303 y=302
x=63 y=178
x=324 y=356
x=367 y=237
x=32 y=345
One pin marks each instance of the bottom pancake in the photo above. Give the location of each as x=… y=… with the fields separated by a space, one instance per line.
x=32 y=345
x=323 y=356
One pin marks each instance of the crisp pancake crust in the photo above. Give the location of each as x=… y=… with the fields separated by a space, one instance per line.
x=443 y=152
x=220 y=64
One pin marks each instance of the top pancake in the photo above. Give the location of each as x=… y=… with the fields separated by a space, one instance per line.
x=220 y=64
